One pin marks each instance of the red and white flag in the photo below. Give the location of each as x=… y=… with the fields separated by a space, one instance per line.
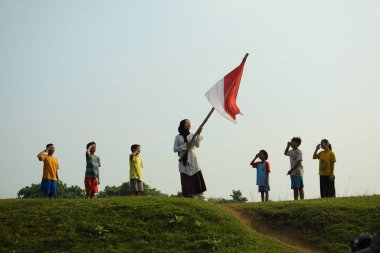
x=222 y=95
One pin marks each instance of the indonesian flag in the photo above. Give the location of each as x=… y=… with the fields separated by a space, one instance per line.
x=222 y=95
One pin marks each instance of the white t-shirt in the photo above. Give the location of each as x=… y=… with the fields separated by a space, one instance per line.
x=295 y=155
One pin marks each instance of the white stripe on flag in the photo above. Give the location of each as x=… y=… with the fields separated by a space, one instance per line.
x=215 y=96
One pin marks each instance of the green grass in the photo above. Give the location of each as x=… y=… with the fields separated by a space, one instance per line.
x=125 y=224
x=328 y=224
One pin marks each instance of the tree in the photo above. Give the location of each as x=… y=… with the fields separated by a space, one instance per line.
x=125 y=190
x=33 y=191
x=63 y=191
x=237 y=196
x=73 y=191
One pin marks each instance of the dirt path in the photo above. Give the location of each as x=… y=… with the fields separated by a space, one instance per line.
x=288 y=237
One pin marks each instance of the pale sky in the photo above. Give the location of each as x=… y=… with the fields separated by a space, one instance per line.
x=125 y=72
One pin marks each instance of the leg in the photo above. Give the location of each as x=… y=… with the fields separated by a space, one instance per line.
x=266 y=196
x=295 y=194
x=302 y=194
x=324 y=186
x=262 y=196
x=332 y=187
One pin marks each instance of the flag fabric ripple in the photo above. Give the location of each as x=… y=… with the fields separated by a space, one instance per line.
x=223 y=94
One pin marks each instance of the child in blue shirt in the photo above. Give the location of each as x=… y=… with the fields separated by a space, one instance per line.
x=263 y=170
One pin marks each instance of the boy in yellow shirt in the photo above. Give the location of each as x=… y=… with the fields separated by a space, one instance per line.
x=135 y=172
x=50 y=178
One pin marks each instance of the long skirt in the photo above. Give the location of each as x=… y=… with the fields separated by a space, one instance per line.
x=192 y=185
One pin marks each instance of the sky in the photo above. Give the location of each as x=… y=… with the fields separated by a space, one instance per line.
x=125 y=72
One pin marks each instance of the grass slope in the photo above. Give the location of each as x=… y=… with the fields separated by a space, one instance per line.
x=125 y=224
x=328 y=224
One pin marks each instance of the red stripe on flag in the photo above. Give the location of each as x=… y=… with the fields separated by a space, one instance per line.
x=231 y=89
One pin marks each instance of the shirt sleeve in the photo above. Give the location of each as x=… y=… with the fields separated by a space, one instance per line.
x=268 y=166
x=288 y=153
x=332 y=157
x=177 y=146
x=319 y=155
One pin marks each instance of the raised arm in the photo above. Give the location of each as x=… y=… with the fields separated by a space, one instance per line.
x=315 y=156
x=39 y=155
x=254 y=159
x=287 y=148
x=198 y=138
x=88 y=150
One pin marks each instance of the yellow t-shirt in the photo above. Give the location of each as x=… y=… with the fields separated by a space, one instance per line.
x=326 y=161
x=135 y=166
x=50 y=167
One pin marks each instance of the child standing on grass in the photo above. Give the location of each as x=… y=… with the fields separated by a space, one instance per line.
x=135 y=172
x=263 y=170
x=92 y=179
x=326 y=169
x=296 y=168
x=50 y=178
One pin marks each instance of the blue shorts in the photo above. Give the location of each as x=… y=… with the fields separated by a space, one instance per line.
x=48 y=187
x=297 y=182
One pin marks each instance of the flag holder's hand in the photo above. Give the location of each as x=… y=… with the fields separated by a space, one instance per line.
x=190 y=145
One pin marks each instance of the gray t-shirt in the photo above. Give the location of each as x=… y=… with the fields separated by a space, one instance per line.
x=295 y=155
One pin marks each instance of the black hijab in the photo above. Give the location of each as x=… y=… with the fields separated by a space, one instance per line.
x=181 y=129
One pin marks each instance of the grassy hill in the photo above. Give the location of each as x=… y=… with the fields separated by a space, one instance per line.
x=125 y=224
x=164 y=224
x=327 y=224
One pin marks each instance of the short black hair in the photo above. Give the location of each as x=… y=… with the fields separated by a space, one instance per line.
x=265 y=153
x=49 y=145
x=297 y=140
x=89 y=144
x=134 y=147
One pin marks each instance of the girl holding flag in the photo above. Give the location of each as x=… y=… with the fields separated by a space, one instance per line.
x=191 y=175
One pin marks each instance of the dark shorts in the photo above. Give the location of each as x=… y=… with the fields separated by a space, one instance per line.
x=49 y=187
x=264 y=188
x=136 y=185
x=297 y=182
x=91 y=184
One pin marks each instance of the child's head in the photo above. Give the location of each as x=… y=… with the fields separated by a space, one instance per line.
x=325 y=144
x=295 y=142
x=50 y=148
x=263 y=155
x=135 y=147
x=93 y=148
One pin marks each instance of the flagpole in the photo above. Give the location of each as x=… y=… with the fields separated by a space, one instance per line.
x=182 y=154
